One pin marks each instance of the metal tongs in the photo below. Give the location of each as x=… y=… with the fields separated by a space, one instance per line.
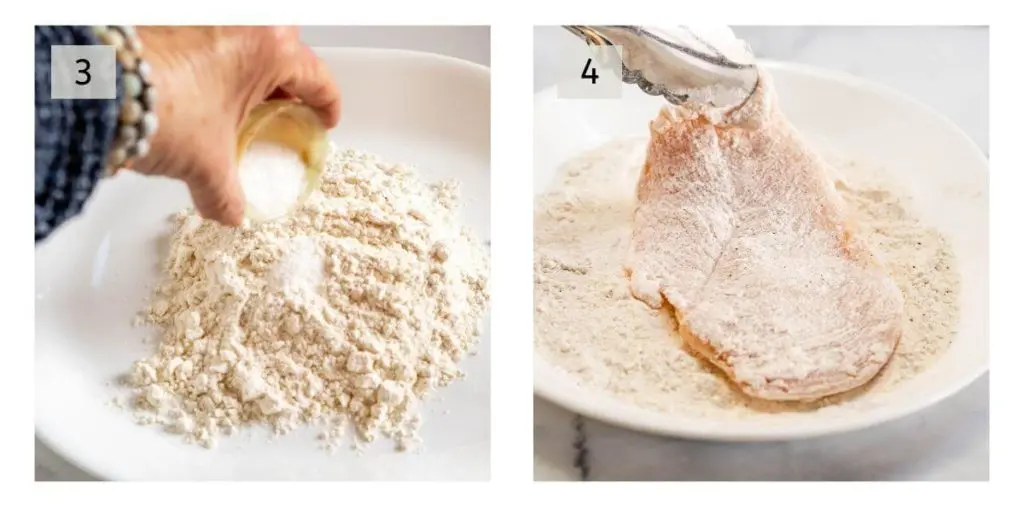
x=676 y=62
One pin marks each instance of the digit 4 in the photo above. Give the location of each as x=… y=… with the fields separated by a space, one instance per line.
x=593 y=72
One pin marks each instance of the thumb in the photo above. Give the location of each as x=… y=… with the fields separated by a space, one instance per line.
x=215 y=187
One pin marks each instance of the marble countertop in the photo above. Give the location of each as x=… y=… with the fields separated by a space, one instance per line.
x=945 y=67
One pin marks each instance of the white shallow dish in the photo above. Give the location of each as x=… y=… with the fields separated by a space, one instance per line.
x=932 y=159
x=92 y=276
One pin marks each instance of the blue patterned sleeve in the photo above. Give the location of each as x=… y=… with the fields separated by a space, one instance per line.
x=72 y=137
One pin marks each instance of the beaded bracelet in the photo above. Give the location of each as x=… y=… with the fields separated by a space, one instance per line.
x=137 y=121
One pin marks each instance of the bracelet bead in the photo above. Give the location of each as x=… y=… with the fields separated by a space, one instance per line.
x=149 y=124
x=141 y=148
x=127 y=134
x=137 y=117
x=131 y=111
x=149 y=98
x=132 y=85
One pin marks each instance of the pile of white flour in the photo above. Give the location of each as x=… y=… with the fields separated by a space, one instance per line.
x=350 y=311
x=587 y=322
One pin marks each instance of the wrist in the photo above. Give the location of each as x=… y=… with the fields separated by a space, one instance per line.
x=137 y=115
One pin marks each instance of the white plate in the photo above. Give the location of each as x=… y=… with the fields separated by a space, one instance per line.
x=92 y=277
x=931 y=158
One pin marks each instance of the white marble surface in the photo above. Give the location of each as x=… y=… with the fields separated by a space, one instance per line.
x=467 y=43
x=946 y=68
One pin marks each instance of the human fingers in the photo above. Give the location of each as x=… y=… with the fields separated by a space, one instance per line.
x=215 y=188
x=308 y=79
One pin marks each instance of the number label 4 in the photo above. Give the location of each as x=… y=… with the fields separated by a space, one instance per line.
x=593 y=72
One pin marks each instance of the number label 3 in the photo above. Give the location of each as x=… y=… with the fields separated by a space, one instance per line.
x=593 y=72
x=83 y=71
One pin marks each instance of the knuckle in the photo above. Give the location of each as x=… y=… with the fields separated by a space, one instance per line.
x=283 y=37
x=201 y=178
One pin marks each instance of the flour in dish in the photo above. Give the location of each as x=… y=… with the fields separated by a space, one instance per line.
x=350 y=312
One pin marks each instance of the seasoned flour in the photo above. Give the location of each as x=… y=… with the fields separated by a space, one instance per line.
x=588 y=323
x=348 y=312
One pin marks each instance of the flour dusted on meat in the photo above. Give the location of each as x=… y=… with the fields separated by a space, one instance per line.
x=587 y=323
x=739 y=228
x=348 y=312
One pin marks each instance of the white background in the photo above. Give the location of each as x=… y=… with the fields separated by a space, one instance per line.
x=947 y=68
x=944 y=67
x=512 y=30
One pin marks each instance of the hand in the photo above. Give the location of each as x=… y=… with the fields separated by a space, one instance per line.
x=207 y=79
